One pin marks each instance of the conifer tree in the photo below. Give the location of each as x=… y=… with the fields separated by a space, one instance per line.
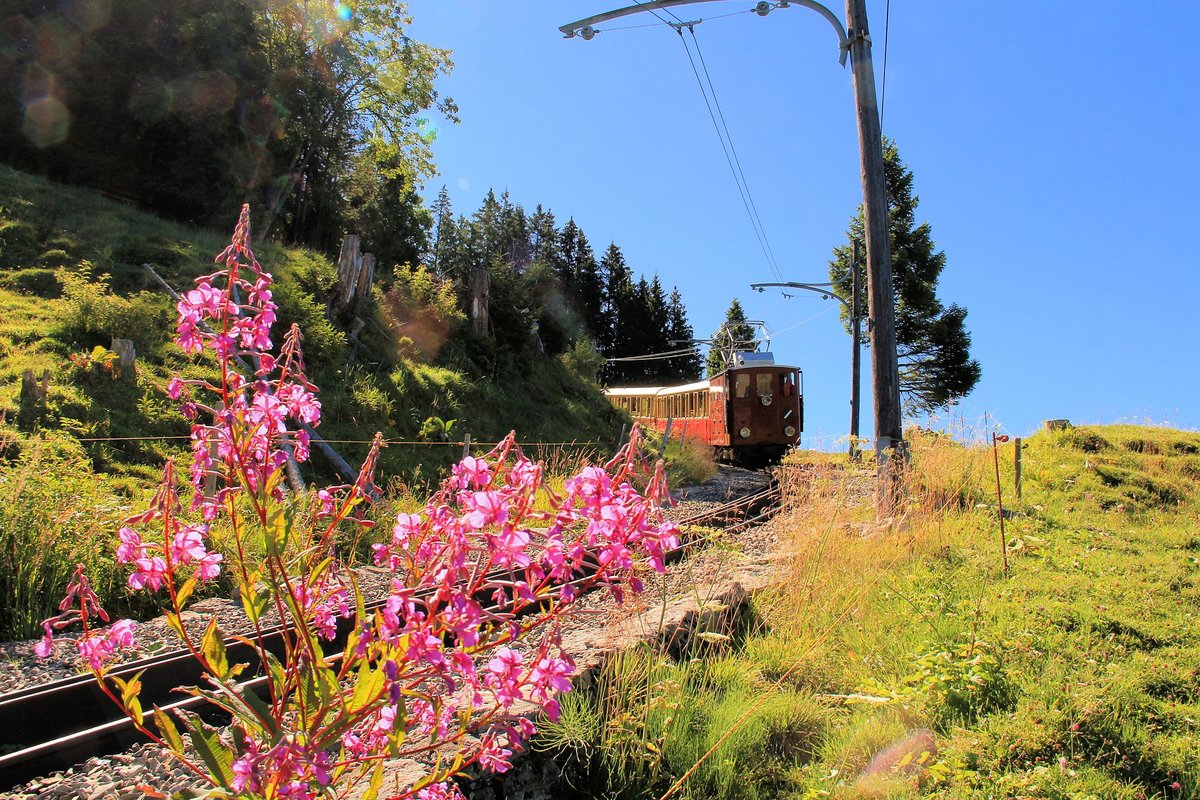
x=732 y=335
x=654 y=339
x=679 y=335
x=543 y=235
x=443 y=240
x=620 y=308
x=932 y=342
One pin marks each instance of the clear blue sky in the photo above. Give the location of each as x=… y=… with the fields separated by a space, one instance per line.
x=1054 y=148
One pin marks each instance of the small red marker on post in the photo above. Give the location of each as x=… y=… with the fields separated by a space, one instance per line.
x=999 y=498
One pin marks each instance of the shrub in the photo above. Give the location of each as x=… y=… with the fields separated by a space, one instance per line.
x=93 y=315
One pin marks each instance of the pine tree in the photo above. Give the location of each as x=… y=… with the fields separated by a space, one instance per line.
x=732 y=335
x=565 y=257
x=620 y=308
x=516 y=240
x=543 y=234
x=656 y=335
x=589 y=288
x=443 y=239
x=679 y=335
x=932 y=342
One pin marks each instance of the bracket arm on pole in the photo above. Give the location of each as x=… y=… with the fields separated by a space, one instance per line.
x=580 y=26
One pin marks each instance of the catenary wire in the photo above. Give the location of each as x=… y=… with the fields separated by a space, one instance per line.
x=755 y=218
x=735 y=164
x=661 y=20
x=728 y=158
x=657 y=356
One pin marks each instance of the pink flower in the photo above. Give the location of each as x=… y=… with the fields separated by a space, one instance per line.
x=121 y=633
x=174 y=388
x=407 y=528
x=188 y=545
x=472 y=473
x=440 y=791
x=131 y=547
x=150 y=573
x=326 y=501
x=486 y=508
x=493 y=757
x=510 y=546
x=209 y=566
x=45 y=645
x=504 y=672
x=524 y=474
x=551 y=675
x=462 y=616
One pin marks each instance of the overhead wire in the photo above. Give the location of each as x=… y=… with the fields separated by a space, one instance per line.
x=667 y=354
x=721 y=127
x=655 y=13
x=738 y=176
x=805 y=321
x=755 y=218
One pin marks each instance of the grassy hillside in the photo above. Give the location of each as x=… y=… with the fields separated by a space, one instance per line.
x=899 y=661
x=71 y=279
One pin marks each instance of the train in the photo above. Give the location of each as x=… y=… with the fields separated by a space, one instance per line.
x=751 y=413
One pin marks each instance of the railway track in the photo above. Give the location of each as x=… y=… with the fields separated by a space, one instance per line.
x=51 y=727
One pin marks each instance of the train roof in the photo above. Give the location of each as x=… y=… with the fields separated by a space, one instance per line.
x=656 y=390
x=760 y=366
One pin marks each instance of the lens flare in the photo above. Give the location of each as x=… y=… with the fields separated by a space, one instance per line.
x=343 y=12
x=47 y=122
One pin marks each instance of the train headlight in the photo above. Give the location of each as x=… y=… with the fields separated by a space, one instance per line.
x=765 y=399
x=789 y=431
x=744 y=433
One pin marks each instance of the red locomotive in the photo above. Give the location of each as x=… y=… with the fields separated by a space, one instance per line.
x=751 y=413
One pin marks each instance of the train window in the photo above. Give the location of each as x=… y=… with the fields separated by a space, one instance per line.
x=789 y=385
x=766 y=383
x=741 y=387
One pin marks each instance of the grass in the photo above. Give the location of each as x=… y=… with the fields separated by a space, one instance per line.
x=899 y=661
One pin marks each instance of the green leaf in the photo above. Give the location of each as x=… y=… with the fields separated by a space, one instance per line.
x=174 y=623
x=372 y=791
x=129 y=696
x=263 y=712
x=167 y=730
x=213 y=647
x=279 y=529
x=185 y=592
x=216 y=756
x=367 y=688
x=254 y=602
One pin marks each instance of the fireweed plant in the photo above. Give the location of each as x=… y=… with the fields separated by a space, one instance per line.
x=447 y=669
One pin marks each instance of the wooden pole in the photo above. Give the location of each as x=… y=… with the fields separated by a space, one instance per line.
x=1000 y=504
x=889 y=441
x=1017 y=465
x=856 y=353
x=466 y=445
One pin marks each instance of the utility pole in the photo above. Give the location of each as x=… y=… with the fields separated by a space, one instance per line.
x=889 y=443
x=855 y=357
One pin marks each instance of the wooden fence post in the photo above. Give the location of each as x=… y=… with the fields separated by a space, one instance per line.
x=1017 y=465
x=466 y=445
